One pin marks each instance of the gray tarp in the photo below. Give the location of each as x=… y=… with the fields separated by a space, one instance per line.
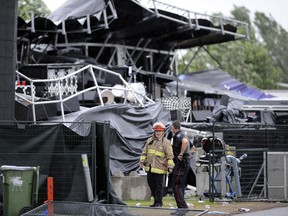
x=129 y=120
x=130 y=127
x=77 y=9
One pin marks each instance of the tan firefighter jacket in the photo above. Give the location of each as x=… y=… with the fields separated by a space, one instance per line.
x=157 y=155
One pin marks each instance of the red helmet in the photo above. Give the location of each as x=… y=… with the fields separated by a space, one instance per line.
x=159 y=126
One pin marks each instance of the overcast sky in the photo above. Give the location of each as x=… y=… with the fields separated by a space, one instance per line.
x=278 y=9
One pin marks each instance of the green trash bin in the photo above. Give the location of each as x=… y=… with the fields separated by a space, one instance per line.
x=20 y=189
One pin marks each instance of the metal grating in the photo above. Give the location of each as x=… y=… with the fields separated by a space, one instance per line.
x=99 y=209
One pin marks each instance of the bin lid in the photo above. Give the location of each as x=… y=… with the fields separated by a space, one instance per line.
x=20 y=168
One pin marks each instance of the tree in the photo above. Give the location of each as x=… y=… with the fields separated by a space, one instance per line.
x=26 y=7
x=249 y=61
x=275 y=40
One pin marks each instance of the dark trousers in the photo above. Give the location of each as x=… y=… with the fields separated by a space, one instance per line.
x=179 y=182
x=155 y=182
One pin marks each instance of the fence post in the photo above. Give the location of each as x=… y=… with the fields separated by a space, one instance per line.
x=106 y=133
x=94 y=149
x=212 y=167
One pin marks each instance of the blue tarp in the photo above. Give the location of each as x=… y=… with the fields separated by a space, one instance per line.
x=219 y=79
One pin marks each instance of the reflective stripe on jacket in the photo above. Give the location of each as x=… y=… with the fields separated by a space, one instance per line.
x=157 y=155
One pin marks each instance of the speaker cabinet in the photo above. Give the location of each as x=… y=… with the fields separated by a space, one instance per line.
x=24 y=112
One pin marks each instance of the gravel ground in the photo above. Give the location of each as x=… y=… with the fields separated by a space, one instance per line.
x=217 y=208
x=232 y=208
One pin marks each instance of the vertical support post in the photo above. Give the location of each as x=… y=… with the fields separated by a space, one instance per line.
x=265 y=175
x=35 y=185
x=285 y=175
x=212 y=167
x=106 y=131
x=94 y=158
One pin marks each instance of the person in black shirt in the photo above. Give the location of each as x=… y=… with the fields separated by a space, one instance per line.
x=181 y=153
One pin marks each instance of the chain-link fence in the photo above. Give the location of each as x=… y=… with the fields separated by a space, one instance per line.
x=232 y=177
x=73 y=208
x=254 y=162
x=58 y=151
x=260 y=174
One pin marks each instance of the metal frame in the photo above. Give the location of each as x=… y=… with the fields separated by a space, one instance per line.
x=33 y=100
x=155 y=5
x=133 y=53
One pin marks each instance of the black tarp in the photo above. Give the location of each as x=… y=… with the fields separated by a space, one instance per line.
x=57 y=151
x=44 y=146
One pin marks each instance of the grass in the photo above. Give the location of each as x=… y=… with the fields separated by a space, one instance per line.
x=169 y=202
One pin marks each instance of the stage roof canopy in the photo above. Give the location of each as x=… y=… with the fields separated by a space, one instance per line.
x=150 y=24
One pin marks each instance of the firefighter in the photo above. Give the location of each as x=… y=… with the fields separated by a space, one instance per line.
x=157 y=158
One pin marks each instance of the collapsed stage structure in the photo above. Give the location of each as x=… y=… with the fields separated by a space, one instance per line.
x=137 y=39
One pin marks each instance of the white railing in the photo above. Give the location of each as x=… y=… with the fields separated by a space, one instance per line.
x=192 y=18
x=140 y=98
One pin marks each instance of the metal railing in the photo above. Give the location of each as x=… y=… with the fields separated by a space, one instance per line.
x=33 y=100
x=155 y=6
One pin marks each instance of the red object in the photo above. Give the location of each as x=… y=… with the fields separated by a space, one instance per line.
x=24 y=83
x=50 y=195
x=159 y=126
x=50 y=189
